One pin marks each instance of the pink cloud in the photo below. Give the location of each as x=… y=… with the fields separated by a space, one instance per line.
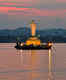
x=27 y=0
x=21 y=0
x=7 y=3
x=48 y=12
x=3 y=9
x=16 y=4
x=32 y=11
x=3 y=0
x=61 y=1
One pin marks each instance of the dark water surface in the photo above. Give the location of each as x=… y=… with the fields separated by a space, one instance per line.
x=32 y=65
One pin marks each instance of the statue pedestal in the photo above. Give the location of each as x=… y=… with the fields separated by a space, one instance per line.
x=33 y=41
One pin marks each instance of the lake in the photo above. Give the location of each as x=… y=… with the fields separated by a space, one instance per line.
x=32 y=64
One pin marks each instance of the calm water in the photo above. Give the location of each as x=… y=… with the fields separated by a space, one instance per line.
x=32 y=65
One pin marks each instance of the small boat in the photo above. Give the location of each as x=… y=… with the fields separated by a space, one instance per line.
x=33 y=43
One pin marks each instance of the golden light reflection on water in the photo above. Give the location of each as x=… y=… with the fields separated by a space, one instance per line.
x=50 y=76
x=34 y=58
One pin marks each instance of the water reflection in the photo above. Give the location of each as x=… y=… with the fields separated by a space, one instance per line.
x=50 y=76
x=38 y=63
x=32 y=65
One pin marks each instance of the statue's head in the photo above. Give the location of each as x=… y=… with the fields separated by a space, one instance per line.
x=33 y=21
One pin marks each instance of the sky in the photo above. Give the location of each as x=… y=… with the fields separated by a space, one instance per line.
x=19 y=13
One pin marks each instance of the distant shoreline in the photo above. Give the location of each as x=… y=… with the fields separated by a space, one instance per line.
x=54 y=35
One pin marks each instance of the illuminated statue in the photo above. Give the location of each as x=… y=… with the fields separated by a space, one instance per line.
x=33 y=28
x=33 y=40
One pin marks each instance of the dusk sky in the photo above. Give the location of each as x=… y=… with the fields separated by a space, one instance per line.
x=19 y=13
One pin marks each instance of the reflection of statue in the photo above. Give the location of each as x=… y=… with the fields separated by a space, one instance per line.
x=50 y=66
x=33 y=28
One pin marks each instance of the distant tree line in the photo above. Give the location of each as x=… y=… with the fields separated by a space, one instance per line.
x=22 y=34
